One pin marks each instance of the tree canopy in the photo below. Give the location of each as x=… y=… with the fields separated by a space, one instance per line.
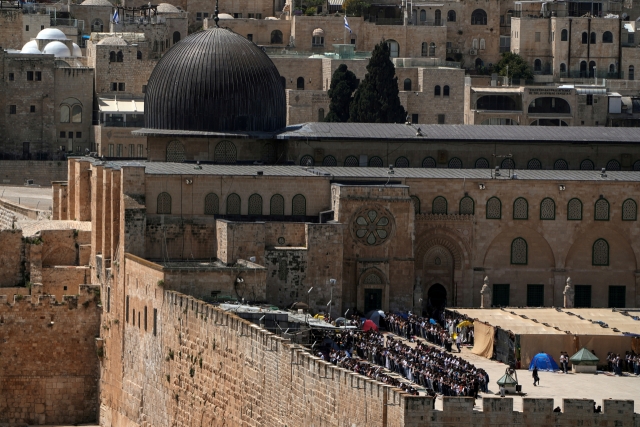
x=355 y=7
x=518 y=68
x=377 y=100
x=343 y=83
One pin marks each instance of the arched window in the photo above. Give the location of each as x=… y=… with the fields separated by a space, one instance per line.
x=299 y=205
x=455 y=163
x=300 y=83
x=423 y=15
x=537 y=65
x=482 y=44
x=607 y=37
x=119 y=56
x=407 y=84
x=376 y=162
x=112 y=56
x=176 y=37
x=211 y=204
x=508 y=163
x=65 y=114
x=255 y=204
x=234 y=205
x=601 y=210
x=574 y=210
x=534 y=164
x=519 y=251
x=438 y=18
x=439 y=206
x=394 y=48
x=593 y=38
x=76 y=114
x=479 y=63
x=592 y=68
x=276 y=37
x=494 y=208
x=585 y=38
x=436 y=90
x=631 y=72
x=351 y=162
x=561 y=165
x=479 y=17
x=563 y=67
x=612 y=68
x=175 y=152
x=467 y=206
x=564 y=35
x=613 y=165
x=402 y=162
x=482 y=163
x=474 y=44
x=321 y=115
x=636 y=165
x=416 y=204
x=547 y=209
x=139 y=55
x=586 y=165
x=97 y=26
x=317 y=38
x=283 y=82
x=425 y=49
x=432 y=49
x=306 y=160
x=164 y=204
x=225 y=152
x=520 y=208
x=276 y=205
x=445 y=91
x=429 y=162
x=583 y=69
x=629 y=210
x=451 y=16
x=329 y=161
x=600 y=253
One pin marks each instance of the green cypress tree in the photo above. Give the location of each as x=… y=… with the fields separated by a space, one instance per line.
x=343 y=83
x=377 y=100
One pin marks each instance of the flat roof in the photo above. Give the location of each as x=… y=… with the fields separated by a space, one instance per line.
x=504 y=319
x=489 y=133
x=566 y=322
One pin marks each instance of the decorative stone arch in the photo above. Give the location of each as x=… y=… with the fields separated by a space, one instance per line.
x=617 y=239
x=459 y=250
x=531 y=236
x=372 y=278
x=60 y=255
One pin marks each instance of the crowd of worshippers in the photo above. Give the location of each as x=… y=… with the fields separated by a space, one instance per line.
x=629 y=363
x=430 y=367
x=415 y=326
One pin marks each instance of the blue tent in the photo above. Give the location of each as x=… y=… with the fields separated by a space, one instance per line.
x=544 y=362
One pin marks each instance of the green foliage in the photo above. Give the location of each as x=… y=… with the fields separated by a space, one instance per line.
x=161 y=283
x=377 y=100
x=518 y=68
x=355 y=7
x=311 y=11
x=343 y=83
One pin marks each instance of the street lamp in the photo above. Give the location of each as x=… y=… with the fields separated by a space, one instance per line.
x=332 y=282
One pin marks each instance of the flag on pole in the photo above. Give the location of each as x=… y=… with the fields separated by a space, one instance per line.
x=346 y=24
x=116 y=17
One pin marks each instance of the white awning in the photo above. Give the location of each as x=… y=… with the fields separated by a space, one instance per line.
x=318 y=32
x=336 y=2
x=121 y=105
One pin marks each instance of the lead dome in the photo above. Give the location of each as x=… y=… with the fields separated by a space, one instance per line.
x=215 y=80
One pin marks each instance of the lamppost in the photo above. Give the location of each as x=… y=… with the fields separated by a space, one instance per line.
x=331 y=282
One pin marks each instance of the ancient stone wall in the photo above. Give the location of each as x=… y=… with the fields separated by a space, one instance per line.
x=11 y=256
x=48 y=361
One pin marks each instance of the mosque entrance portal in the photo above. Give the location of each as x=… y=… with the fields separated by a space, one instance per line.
x=436 y=300
x=372 y=299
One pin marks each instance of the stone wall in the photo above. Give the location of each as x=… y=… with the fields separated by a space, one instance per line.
x=11 y=255
x=48 y=363
x=42 y=172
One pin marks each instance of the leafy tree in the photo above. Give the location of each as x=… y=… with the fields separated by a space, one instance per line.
x=518 y=68
x=310 y=11
x=377 y=100
x=343 y=83
x=355 y=7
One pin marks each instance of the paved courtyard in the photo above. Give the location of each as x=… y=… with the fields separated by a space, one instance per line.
x=40 y=198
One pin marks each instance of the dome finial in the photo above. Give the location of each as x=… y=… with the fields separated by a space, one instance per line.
x=216 y=19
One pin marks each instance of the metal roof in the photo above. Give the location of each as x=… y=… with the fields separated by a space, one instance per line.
x=466 y=133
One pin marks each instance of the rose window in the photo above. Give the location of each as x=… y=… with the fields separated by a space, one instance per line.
x=372 y=227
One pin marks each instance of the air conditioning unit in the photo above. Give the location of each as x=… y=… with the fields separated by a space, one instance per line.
x=456 y=50
x=449 y=50
x=473 y=51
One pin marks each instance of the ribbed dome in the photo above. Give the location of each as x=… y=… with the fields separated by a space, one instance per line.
x=215 y=80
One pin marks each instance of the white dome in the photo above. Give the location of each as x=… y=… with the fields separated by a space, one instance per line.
x=59 y=49
x=96 y=3
x=30 y=44
x=30 y=50
x=51 y=34
x=167 y=8
x=225 y=16
x=76 y=50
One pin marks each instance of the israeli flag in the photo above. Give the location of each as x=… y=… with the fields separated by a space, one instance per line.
x=116 y=17
x=346 y=24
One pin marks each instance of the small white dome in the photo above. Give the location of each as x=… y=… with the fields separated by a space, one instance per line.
x=167 y=8
x=225 y=16
x=30 y=44
x=30 y=50
x=51 y=34
x=76 y=50
x=59 y=49
x=96 y=3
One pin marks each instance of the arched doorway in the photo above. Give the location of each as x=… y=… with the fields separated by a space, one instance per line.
x=436 y=301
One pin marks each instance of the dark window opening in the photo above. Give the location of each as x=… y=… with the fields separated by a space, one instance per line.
x=500 y=295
